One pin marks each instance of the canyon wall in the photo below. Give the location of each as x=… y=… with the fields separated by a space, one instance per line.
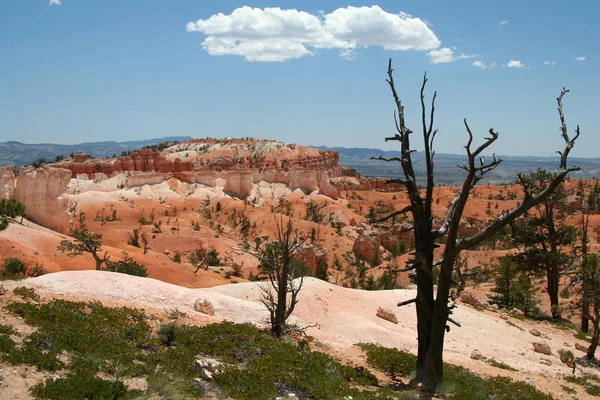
x=41 y=190
x=235 y=169
x=7 y=182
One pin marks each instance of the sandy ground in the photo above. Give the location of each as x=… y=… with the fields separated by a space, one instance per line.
x=344 y=317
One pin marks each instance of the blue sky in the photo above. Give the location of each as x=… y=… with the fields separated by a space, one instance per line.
x=90 y=70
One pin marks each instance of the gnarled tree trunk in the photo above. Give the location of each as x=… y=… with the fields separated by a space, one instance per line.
x=433 y=313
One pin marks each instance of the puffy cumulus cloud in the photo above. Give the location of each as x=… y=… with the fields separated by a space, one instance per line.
x=54 y=2
x=580 y=58
x=549 y=63
x=445 y=55
x=482 y=65
x=273 y=34
x=514 y=64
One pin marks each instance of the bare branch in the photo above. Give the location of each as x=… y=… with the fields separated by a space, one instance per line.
x=386 y=159
x=398 y=181
x=501 y=222
x=569 y=143
x=406 y=302
x=394 y=214
x=444 y=228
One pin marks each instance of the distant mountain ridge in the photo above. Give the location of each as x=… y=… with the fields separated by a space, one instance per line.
x=17 y=154
x=446 y=171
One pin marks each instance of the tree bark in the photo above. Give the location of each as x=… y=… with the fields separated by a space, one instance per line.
x=553 y=278
x=424 y=304
x=99 y=261
x=591 y=353
x=585 y=310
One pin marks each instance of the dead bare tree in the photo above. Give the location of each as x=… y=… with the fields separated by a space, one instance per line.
x=433 y=311
x=286 y=274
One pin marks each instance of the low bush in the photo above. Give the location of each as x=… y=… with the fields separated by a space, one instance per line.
x=459 y=383
x=127 y=266
x=13 y=267
x=79 y=387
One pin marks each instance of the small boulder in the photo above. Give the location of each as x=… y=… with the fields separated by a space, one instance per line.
x=208 y=363
x=518 y=313
x=542 y=347
x=469 y=299
x=476 y=355
x=206 y=375
x=207 y=368
x=545 y=361
x=204 y=306
x=581 y=347
x=387 y=315
x=535 y=332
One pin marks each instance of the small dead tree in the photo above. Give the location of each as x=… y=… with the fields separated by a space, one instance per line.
x=433 y=311
x=285 y=273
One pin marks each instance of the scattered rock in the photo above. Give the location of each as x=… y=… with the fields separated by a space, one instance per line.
x=207 y=368
x=208 y=363
x=542 y=347
x=566 y=357
x=535 y=332
x=545 y=361
x=476 y=355
x=166 y=252
x=387 y=315
x=516 y=312
x=204 y=306
x=528 y=381
x=468 y=298
x=581 y=347
x=494 y=307
x=206 y=375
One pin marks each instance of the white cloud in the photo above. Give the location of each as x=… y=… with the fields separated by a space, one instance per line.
x=514 y=64
x=54 y=2
x=482 y=65
x=445 y=55
x=273 y=34
x=348 y=54
x=502 y=23
x=580 y=58
x=549 y=63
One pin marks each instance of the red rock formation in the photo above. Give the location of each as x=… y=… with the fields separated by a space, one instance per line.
x=366 y=246
x=240 y=163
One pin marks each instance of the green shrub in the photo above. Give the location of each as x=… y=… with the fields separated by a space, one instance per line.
x=176 y=257
x=26 y=293
x=79 y=387
x=390 y=361
x=6 y=329
x=13 y=266
x=88 y=331
x=459 y=383
x=499 y=364
x=167 y=334
x=127 y=266
x=33 y=356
